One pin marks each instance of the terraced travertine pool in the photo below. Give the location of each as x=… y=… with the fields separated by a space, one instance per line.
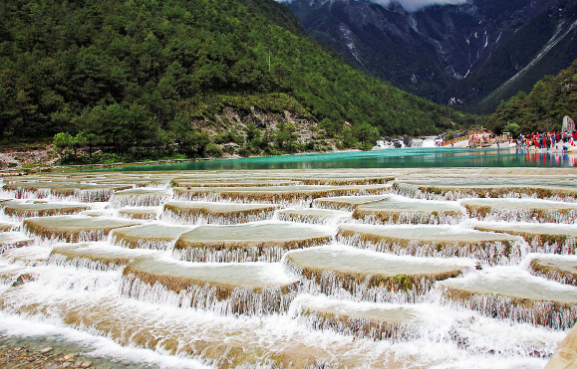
x=372 y=268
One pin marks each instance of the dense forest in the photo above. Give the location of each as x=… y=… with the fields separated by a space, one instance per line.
x=145 y=79
x=543 y=109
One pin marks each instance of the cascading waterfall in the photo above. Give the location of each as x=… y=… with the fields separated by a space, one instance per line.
x=244 y=255
x=145 y=243
x=565 y=247
x=524 y=215
x=413 y=218
x=490 y=252
x=268 y=300
x=278 y=312
x=140 y=198
x=83 y=263
x=549 y=314
x=356 y=326
x=426 y=192
x=310 y=219
x=187 y=218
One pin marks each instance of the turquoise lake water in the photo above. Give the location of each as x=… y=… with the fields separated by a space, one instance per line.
x=392 y=158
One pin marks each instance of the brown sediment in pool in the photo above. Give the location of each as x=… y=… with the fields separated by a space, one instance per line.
x=139 y=213
x=189 y=212
x=6 y=227
x=434 y=241
x=24 y=210
x=97 y=213
x=527 y=299
x=225 y=288
x=82 y=192
x=345 y=181
x=224 y=183
x=140 y=197
x=405 y=211
x=521 y=210
x=276 y=194
x=562 y=269
x=500 y=191
x=11 y=240
x=543 y=237
x=284 y=180
x=94 y=256
x=73 y=228
x=147 y=236
x=359 y=327
x=540 y=238
x=246 y=243
x=349 y=318
x=372 y=276
x=310 y=216
x=346 y=203
x=136 y=182
x=30 y=255
x=15 y=276
x=224 y=348
x=538 y=312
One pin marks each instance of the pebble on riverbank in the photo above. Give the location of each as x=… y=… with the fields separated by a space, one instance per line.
x=38 y=353
x=28 y=358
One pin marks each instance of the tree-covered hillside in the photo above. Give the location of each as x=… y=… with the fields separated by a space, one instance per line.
x=544 y=108
x=144 y=73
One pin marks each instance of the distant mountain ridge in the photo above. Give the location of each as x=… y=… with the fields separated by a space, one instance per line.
x=476 y=53
x=543 y=109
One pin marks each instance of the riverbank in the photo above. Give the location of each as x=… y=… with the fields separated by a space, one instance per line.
x=50 y=353
x=44 y=160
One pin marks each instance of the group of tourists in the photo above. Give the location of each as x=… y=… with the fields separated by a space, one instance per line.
x=548 y=140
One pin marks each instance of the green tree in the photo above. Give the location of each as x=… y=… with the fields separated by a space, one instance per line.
x=197 y=144
x=77 y=142
x=512 y=128
x=62 y=142
x=366 y=134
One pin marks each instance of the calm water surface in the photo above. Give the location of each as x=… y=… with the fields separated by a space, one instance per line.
x=393 y=158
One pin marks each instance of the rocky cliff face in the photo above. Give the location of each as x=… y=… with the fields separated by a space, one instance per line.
x=452 y=54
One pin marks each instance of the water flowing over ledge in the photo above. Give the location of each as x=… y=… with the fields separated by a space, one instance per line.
x=298 y=269
x=436 y=241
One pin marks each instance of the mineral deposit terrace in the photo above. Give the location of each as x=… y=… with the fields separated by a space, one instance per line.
x=364 y=268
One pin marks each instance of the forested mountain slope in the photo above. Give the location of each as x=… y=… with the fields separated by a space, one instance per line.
x=137 y=73
x=473 y=54
x=544 y=108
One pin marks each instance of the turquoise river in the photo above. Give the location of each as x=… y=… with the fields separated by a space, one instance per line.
x=393 y=158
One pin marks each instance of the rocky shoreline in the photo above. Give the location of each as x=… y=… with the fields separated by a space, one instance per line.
x=28 y=358
x=40 y=353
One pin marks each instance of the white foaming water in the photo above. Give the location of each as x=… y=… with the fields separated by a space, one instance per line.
x=86 y=305
x=428 y=143
x=96 y=346
x=514 y=281
x=439 y=341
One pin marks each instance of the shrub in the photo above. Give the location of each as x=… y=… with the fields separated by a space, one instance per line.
x=213 y=151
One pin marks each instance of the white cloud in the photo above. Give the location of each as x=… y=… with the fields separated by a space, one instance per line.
x=414 y=5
